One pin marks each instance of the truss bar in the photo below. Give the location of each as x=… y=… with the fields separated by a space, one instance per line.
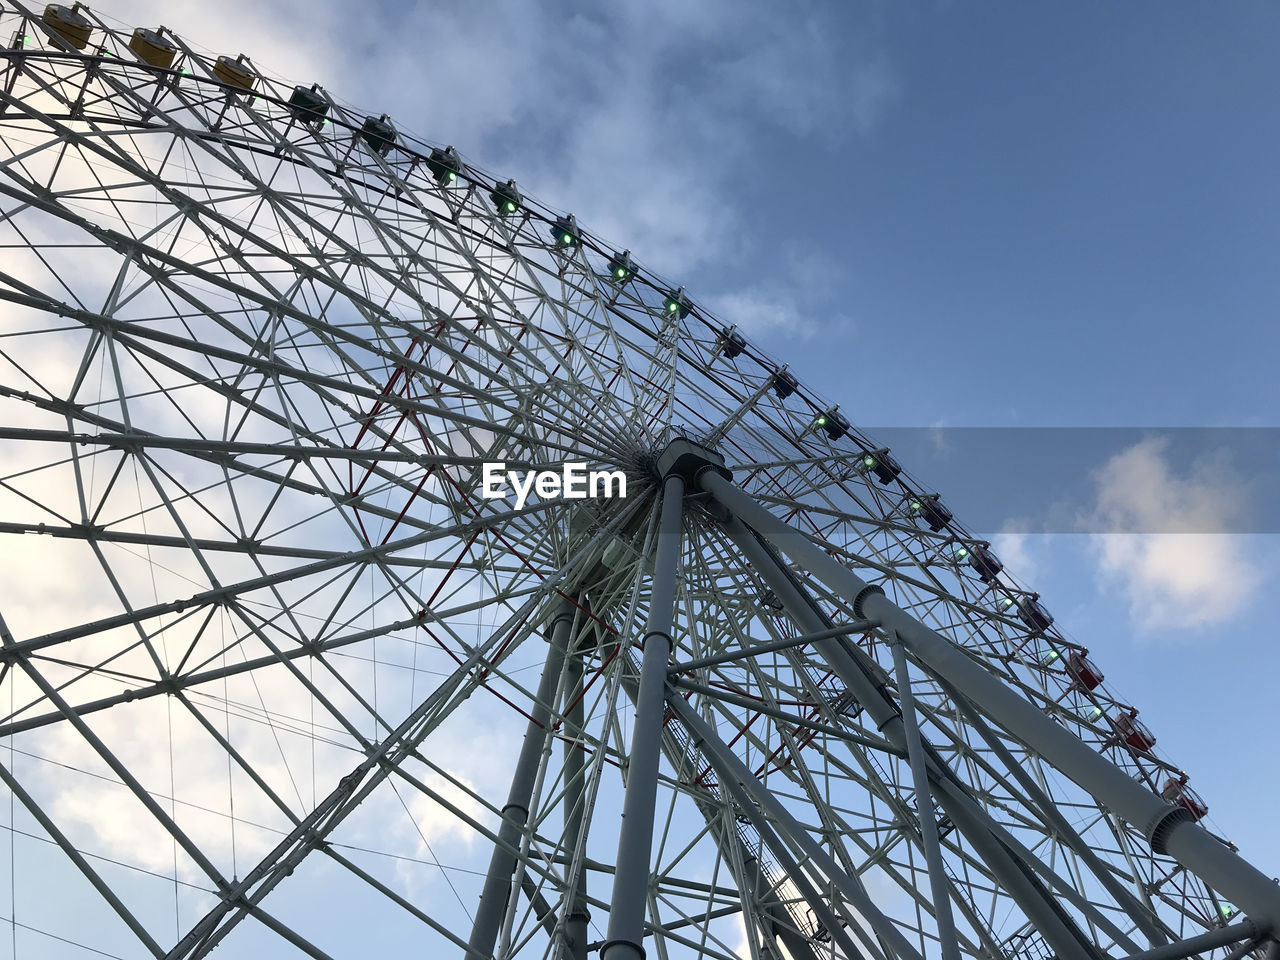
x=851 y=736
x=798 y=945
x=175 y=683
x=81 y=414
x=1246 y=930
x=134 y=337
x=686 y=922
x=349 y=792
x=279 y=451
x=251 y=547
x=1012 y=865
x=959 y=803
x=625 y=936
x=1170 y=829
x=303 y=944
x=734 y=773
x=397 y=899
x=858 y=626
x=126 y=777
x=775 y=916
x=924 y=807
x=81 y=863
x=541 y=909
x=223 y=593
x=747 y=405
x=383 y=759
x=868 y=681
x=676 y=882
x=515 y=814
x=1131 y=905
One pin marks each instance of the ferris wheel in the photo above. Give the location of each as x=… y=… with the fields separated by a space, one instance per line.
x=394 y=567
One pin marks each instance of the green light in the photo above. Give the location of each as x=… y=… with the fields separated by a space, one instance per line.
x=511 y=207
x=1053 y=655
x=1097 y=712
x=452 y=176
x=821 y=421
x=915 y=506
x=672 y=307
x=868 y=461
x=961 y=553
x=1006 y=603
x=566 y=239
x=621 y=272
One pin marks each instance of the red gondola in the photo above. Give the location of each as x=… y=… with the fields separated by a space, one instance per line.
x=1083 y=670
x=1177 y=791
x=1134 y=732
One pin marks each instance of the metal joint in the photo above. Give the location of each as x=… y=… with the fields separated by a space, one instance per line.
x=689 y=460
x=608 y=944
x=867 y=591
x=644 y=641
x=1157 y=832
x=551 y=624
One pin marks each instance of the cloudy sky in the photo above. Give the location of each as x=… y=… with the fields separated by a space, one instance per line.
x=941 y=214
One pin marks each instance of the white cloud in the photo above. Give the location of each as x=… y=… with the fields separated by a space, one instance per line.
x=794 y=303
x=436 y=823
x=1189 y=576
x=938 y=437
x=1012 y=549
x=874 y=88
x=757 y=311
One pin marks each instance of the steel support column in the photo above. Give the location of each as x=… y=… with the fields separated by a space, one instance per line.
x=1170 y=829
x=625 y=938
x=868 y=682
x=576 y=916
x=502 y=864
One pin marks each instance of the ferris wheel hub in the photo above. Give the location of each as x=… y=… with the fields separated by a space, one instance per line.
x=688 y=459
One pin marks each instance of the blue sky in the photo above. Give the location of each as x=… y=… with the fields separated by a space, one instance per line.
x=941 y=214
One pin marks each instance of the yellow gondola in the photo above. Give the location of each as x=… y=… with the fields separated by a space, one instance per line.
x=152 y=47
x=68 y=23
x=234 y=72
